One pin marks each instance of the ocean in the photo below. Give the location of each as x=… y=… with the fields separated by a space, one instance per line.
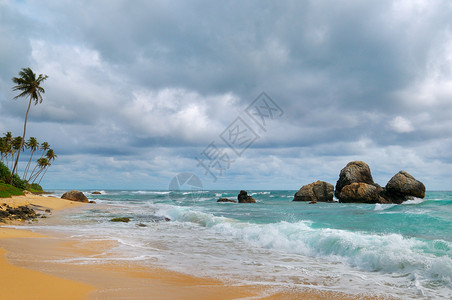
x=403 y=251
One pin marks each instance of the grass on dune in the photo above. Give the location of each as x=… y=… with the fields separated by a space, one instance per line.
x=7 y=191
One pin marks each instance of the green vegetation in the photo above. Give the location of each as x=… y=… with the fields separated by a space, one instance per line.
x=35 y=188
x=10 y=146
x=21 y=184
x=29 y=86
x=124 y=219
x=7 y=191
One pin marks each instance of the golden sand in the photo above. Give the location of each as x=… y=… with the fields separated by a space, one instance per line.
x=25 y=256
x=40 y=202
x=20 y=283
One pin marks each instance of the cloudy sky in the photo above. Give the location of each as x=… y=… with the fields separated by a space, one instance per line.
x=139 y=90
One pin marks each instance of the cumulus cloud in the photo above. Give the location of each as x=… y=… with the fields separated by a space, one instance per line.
x=401 y=125
x=140 y=90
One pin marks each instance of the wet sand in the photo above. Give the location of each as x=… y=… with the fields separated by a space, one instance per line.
x=36 y=266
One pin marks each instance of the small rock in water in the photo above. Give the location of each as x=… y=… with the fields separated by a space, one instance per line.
x=141 y=225
x=244 y=198
x=96 y=193
x=226 y=200
x=92 y=202
x=123 y=219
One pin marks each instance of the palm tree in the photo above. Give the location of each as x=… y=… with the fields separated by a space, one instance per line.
x=51 y=156
x=16 y=146
x=6 y=146
x=29 y=86
x=43 y=163
x=44 y=147
x=3 y=148
x=33 y=145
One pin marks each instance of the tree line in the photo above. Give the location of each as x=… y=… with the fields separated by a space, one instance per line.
x=29 y=86
x=10 y=147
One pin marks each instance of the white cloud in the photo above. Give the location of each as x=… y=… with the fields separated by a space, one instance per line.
x=401 y=125
x=145 y=94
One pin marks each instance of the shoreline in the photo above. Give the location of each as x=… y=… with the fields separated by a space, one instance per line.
x=51 y=255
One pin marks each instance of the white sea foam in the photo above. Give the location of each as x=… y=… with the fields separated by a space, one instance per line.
x=387 y=254
x=151 y=192
x=379 y=207
x=414 y=201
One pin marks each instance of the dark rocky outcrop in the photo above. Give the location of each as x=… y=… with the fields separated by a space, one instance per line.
x=17 y=213
x=75 y=196
x=402 y=186
x=355 y=171
x=317 y=191
x=243 y=197
x=96 y=193
x=361 y=193
x=226 y=200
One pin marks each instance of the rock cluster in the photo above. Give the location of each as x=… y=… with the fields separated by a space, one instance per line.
x=356 y=185
x=243 y=197
x=17 y=213
x=75 y=196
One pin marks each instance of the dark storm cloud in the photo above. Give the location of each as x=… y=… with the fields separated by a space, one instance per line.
x=356 y=80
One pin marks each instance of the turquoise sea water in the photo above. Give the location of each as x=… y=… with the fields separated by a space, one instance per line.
x=403 y=251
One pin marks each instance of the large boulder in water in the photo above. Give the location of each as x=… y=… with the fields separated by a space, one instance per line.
x=402 y=186
x=361 y=193
x=317 y=191
x=353 y=172
x=75 y=196
x=244 y=198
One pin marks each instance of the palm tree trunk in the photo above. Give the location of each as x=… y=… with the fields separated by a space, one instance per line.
x=28 y=165
x=22 y=142
x=43 y=175
x=37 y=175
x=12 y=160
x=32 y=172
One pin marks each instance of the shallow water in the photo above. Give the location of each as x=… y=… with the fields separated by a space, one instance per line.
x=379 y=249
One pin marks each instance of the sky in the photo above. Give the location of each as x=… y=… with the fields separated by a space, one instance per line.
x=241 y=94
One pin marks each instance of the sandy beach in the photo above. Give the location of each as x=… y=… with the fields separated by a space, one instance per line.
x=33 y=267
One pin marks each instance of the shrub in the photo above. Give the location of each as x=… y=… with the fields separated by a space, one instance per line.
x=5 y=173
x=36 y=187
x=19 y=183
x=7 y=190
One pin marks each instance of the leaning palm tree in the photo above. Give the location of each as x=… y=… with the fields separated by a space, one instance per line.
x=29 y=86
x=51 y=156
x=43 y=163
x=44 y=147
x=33 y=145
